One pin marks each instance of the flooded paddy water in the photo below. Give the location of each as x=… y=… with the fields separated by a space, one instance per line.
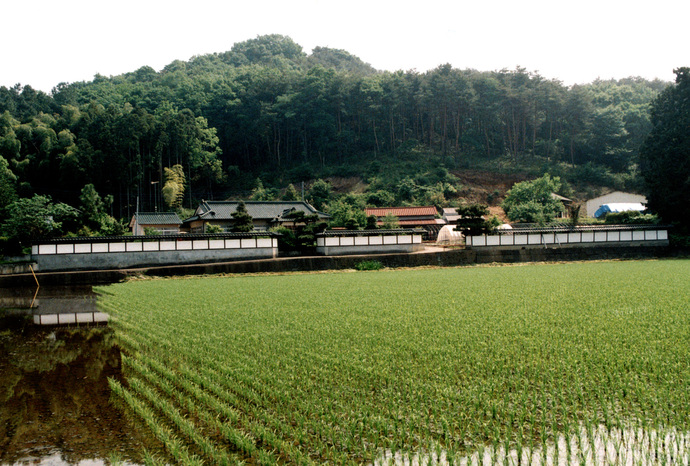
x=55 y=404
x=591 y=446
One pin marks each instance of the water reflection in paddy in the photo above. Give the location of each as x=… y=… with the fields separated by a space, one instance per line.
x=55 y=403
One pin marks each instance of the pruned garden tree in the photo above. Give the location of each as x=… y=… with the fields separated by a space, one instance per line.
x=302 y=236
x=472 y=220
x=243 y=221
x=665 y=154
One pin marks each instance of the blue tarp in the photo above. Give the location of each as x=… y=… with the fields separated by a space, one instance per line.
x=618 y=207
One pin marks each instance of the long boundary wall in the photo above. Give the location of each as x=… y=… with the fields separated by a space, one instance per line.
x=335 y=243
x=449 y=258
x=580 y=237
x=137 y=251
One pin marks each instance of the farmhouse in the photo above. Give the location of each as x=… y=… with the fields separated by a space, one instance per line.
x=616 y=197
x=265 y=214
x=425 y=218
x=164 y=223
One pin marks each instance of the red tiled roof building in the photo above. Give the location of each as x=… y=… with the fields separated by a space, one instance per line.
x=411 y=217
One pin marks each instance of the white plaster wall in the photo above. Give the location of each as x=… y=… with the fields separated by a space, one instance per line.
x=592 y=205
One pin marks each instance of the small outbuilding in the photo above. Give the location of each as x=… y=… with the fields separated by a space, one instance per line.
x=567 y=203
x=425 y=217
x=615 y=197
x=163 y=223
x=450 y=215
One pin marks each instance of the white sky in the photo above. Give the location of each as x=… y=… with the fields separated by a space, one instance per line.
x=46 y=42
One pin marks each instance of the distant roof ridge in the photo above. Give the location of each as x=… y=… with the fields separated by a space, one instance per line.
x=405 y=207
x=258 y=202
x=416 y=210
x=157 y=218
x=267 y=210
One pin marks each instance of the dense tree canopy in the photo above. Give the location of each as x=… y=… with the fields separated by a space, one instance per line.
x=665 y=156
x=267 y=109
x=533 y=201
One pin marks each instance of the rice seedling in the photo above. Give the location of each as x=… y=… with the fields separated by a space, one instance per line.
x=446 y=366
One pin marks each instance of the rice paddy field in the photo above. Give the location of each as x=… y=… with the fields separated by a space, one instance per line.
x=579 y=363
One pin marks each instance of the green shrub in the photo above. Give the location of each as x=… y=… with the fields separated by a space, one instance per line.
x=211 y=229
x=368 y=265
x=632 y=217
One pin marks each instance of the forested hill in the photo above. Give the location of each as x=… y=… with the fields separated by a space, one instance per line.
x=267 y=109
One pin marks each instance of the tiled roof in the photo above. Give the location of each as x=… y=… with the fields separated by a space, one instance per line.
x=404 y=223
x=157 y=218
x=402 y=211
x=259 y=210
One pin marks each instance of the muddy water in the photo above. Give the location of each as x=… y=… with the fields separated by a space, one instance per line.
x=55 y=405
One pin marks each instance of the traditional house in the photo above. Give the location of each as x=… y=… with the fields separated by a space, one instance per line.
x=616 y=197
x=265 y=214
x=411 y=217
x=163 y=223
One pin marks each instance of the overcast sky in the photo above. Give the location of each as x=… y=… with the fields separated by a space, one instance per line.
x=46 y=42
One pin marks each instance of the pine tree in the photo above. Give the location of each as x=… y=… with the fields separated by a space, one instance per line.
x=243 y=221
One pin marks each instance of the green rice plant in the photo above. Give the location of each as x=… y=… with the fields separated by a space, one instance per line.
x=175 y=448
x=419 y=362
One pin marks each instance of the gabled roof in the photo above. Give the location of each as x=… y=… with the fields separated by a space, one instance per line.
x=450 y=214
x=558 y=197
x=156 y=218
x=259 y=210
x=631 y=196
x=427 y=211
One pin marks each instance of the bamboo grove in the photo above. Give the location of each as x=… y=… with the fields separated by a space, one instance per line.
x=583 y=363
x=267 y=106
